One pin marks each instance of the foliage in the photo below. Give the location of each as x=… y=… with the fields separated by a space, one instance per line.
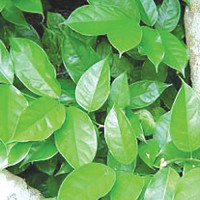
x=98 y=105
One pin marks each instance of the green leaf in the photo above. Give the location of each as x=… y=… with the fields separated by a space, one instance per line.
x=135 y=123
x=93 y=87
x=144 y=93
x=67 y=91
x=18 y=152
x=32 y=6
x=64 y=169
x=77 y=57
x=11 y=106
x=40 y=120
x=127 y=186
x=149 y=151
x=148 y=72
x=3 y=155
x=39 y=77
x=176 y=55
x=12 y=14
x=89 y=182
x=188 y=186
x=152 y=46
x=119 y=93
x=77 y=140
x=162 y=134
x=42 y=150
x=123 y=31
x=148 y=11
x=6 y=66
x=118 y=166
x=185 y=116
x=147 y=121
x=162 y=185
x=120 y=137
x=168 y=15
x=2 y=4
x=127 y=6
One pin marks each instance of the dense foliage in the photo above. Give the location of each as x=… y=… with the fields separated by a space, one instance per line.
x=98 y=104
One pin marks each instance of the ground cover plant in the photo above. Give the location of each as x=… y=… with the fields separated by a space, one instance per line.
x=96 y=99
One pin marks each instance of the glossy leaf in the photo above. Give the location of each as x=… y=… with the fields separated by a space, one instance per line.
x=127 y=186
x=162 y=132
x=101 y=20
x=77 y=140
x=18 y=152
x=185 y=116
x=3 y=155
x=77 y=56
x=42 y=150
x=162 y=185
x=40 y=120
x=152 y=46
x=89 y=182
x=148 y=11
x=144 y=93
x=127 y=6
x=120 y=94
x=120 y=137
x=11 y=106
x=93 y=87
x=39 y=77
x=168 y=15
x=187 y=187
x=176 y=55
x=32 y=6
x=64 y=169
x=6 y=66
x=13 y=14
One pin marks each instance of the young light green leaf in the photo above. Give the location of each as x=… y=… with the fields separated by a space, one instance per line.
x=77 y=140
x=18 y=152
x=176 y=55
x=118 y=166
x=64 y=169
x=188 y=187
x=93 y=87
x=32 y=6
x=123 y=32
x=42 y=150
x=168 y=15
x=149 y=151
x=77 y=57
x=6 y=66
x=148 y=11
x=3 y=155
x=120 y=137
x=13 y=14
x=98 y=178
x=2 y=4
x=127 y=186
x=39 y=77
x=185 y=116
x=152 y=46
x=162 y=185
x=119 y=93
x=40 y=120
x=144 y=93
x=11 y=106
